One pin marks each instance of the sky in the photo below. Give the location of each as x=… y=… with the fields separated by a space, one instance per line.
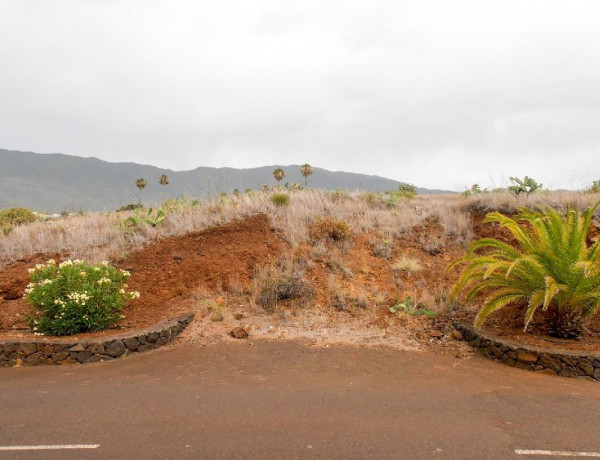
x=442 y=94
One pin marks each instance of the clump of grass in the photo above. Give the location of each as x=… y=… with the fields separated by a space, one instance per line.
x=280 y=199
x=215 y=308
x=382 y=248
x=408 y=265
x=328 y=228
x=282 y=282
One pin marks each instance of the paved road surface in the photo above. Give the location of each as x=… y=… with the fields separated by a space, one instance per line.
x=287 y=400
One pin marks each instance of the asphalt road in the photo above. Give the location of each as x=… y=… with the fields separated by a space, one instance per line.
x=257 y=399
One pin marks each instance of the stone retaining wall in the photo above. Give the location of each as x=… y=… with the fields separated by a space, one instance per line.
x=62 y=351
x=555 y=362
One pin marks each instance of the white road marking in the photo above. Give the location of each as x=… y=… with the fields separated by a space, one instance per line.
x=51 y=447
x=556 y=453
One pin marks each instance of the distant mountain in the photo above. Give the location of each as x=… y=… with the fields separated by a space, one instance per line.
x=57 y=182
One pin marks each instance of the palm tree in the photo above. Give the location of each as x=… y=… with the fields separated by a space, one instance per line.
x=163 y=180
x=550 y=268
x=306 y=170
x=278 y=174
x=141 y=184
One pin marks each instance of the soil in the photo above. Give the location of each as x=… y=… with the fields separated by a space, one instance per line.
x=354 y=283
x=164 y=273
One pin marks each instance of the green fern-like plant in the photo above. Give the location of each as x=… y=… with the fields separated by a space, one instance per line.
x=550 y=268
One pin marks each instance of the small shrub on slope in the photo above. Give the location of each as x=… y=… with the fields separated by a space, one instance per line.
x=75 y=296
x=329 y=228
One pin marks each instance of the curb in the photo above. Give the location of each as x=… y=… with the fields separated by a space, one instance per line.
x=54 y=351
x=555 y=362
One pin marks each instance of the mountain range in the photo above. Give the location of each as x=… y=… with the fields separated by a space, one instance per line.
x=57 y=182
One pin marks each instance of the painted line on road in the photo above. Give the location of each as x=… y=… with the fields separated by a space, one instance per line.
x=556 y=453
x=51 y=447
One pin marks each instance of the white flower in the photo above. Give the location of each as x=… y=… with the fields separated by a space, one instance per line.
x=51 y=262
x=122 y=291
x=45 y=282
x=78 y=261
x=125 y=273
x=104 y=263
x=96 y=269
x=83 y=274
x=66 y=263
x=31 y=270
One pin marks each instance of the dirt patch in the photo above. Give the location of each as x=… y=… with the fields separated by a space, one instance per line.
x=165 y=272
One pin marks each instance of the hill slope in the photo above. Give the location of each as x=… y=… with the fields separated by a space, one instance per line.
x=57 y=182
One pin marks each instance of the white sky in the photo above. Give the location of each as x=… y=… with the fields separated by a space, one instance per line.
x=438 y=93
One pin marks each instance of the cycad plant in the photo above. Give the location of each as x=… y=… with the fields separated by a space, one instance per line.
x=550 y=268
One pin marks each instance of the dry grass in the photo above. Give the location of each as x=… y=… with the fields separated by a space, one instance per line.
x=408 y=265
x=98 y=236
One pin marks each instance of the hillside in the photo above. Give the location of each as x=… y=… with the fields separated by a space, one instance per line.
x=57 y=182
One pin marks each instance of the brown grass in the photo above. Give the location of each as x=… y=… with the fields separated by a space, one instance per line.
x=98 y=236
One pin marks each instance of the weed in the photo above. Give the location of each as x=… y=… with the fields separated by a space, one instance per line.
x=410 y=308
x=280 y=199
x=279 y=283
x=408 y=265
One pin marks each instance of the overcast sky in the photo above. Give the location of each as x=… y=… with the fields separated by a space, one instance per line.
x=438 y=93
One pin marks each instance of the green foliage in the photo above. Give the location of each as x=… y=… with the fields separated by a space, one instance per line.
x=175 y=204
x=407 y=189
x=130 y=207
x=410 y=308
x=16 y=216
x=594 y=188
x=527 y=185
x=551 y=268
x=280 y=199
x=75 y=296
x=475 y=190
x=142 y=218
x=12 y=217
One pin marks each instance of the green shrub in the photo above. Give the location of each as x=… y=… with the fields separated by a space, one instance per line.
x=411 y=308
x=527 y=185
x=280 y=199
x=75 y=296
x=594 y=188
x=130 y=207
x=551 y=268
x=16 y=216
x=133 y=223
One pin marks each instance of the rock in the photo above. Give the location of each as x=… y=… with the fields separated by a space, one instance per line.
x=25 y=349
x=456 y=335
x=33 y=358
x=48 y=350
x=145 y=347
x=77 y=347
x=550 y=362
x=152 y=337
x=132 y=343
x=68 y=361
x=115 y=348
x=568 y=372
x=436 y=334
x=162 y=341
x=9 y=348
x=584 y=367
x=58 y=357
x=81 y=356
x=93 y=359
x=95 y=348
x=526 y=357
x=597 y=373
x=239 y=333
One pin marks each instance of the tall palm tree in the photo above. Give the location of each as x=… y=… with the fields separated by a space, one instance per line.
x=163 y=180
x=306 y=170
x=278 y=174
x=141 y=185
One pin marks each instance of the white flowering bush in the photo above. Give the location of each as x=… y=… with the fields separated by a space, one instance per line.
x=75 y=296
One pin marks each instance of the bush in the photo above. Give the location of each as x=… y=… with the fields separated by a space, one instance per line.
x=329 y=228
x=280 y=199
x=75 y=296
x=527 y=185
x=277 y=284
x=551 y=268
x=130 y=207
x=12 y=217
